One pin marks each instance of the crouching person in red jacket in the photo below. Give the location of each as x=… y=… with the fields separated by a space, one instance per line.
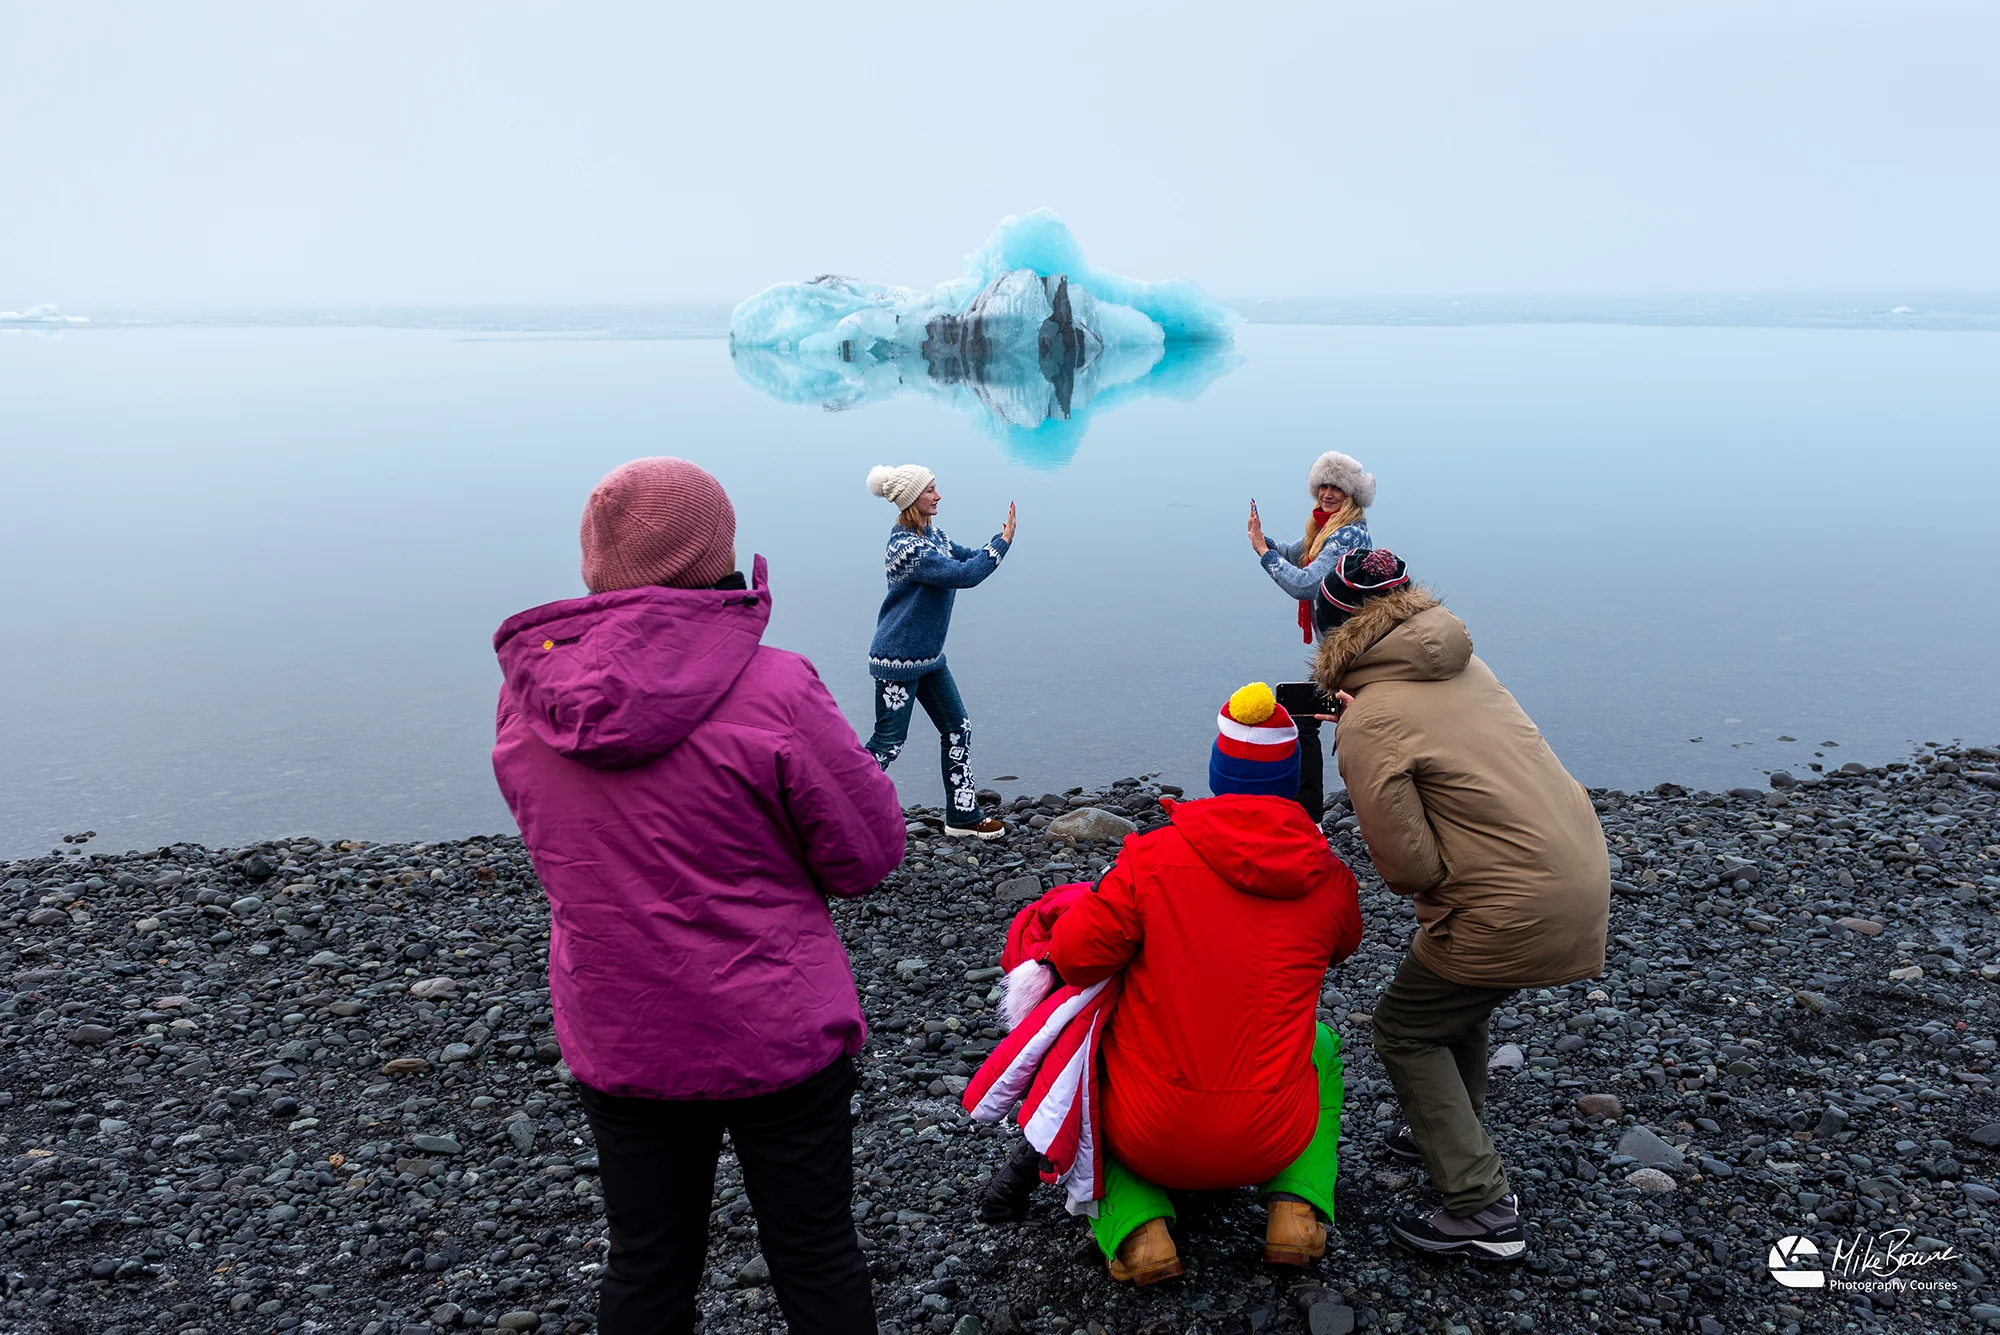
x=1215 y=1074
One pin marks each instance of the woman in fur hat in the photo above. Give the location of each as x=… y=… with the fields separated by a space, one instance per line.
x=906 y=658
x=1341 y=491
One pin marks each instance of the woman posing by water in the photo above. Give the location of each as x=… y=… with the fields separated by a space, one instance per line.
x=690 y=796
x=1341 y=491
x=926 y=569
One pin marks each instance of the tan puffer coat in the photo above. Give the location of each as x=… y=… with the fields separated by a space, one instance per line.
x=1463 y=805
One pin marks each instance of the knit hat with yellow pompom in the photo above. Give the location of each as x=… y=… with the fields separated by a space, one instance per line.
x=1256 y=746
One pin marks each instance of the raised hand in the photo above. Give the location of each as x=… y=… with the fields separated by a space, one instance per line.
x=1007 y=529
x=1257 y=542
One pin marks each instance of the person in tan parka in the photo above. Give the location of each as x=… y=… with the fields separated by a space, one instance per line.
x=1465 y=809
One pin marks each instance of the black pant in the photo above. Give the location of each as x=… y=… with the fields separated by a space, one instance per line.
x=1302 y=700
x=657 y=1159
x=1312 y=769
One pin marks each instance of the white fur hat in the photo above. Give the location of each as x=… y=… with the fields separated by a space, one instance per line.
x=1334 y=469
x=901 y=485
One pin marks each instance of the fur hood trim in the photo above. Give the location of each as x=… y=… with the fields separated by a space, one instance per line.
x=1364 y=630
x=1025 y=987
x=1344 y=471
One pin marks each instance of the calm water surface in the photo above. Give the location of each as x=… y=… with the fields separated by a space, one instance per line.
x=252 y=570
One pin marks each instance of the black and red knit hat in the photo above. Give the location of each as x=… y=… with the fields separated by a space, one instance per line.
x=1361 y=575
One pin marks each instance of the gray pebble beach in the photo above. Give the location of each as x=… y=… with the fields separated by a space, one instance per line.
x=312 y=1085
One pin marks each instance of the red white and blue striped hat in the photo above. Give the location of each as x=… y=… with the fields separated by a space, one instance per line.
x=1256 y=745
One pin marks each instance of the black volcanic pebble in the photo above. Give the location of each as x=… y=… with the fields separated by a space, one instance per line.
x=201 y=1134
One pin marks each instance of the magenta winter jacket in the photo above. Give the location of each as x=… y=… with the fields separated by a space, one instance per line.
x=689 y=797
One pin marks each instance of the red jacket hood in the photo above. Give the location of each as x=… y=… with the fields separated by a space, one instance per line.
x=1260 y=845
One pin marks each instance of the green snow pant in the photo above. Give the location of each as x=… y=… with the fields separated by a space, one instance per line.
x=1130 y=1200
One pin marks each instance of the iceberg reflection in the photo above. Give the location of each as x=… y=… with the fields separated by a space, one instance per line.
x=1039 y=420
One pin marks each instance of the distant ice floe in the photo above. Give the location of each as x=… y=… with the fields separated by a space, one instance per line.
x=1030 y=340
x=41 y=315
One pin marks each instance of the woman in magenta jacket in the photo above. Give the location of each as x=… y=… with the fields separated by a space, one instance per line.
x=690 y=797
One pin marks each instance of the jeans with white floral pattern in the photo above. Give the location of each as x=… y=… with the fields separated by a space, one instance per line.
x=896 y=701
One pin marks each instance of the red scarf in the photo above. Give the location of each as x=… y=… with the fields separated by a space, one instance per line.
x=1305 y=604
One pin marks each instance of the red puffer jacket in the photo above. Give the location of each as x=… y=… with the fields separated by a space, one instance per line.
x=1225 y=922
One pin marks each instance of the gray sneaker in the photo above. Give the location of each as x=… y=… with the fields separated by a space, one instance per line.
x=1492 y=1234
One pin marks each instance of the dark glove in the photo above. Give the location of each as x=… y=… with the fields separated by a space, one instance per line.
x=1011 y=1188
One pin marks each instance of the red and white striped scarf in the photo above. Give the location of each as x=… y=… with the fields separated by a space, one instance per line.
x=1049 y=1063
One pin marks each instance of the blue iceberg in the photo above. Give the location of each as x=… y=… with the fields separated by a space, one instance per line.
x=1030 y=339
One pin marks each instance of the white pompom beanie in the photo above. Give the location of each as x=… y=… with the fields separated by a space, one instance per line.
x=1344 y=471
x=901 y=485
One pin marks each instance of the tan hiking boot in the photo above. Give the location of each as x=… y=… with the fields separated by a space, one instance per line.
x=1293 y=1234
x=1147 y=1255
x=988 y=829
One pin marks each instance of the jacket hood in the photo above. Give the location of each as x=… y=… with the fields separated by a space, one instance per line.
x=620 y=678
x=1260 y=845
x=1403 y=636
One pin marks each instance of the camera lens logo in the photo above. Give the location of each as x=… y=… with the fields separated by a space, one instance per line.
x=1794 y=1263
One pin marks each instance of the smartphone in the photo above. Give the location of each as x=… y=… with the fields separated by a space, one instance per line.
x=1304 y=699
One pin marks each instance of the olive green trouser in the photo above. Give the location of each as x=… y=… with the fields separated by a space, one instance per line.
x=1130 y=1200
x=1431 y=1035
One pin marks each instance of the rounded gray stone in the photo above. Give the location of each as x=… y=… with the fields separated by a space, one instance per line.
x=1650 y=1179
x=1089 y=825
x=1330 y=1318
x=1650 y=1150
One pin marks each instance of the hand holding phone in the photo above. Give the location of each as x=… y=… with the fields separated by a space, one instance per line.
x=1341 y=700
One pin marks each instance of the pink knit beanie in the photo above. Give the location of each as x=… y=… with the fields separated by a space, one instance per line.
x=657 y=521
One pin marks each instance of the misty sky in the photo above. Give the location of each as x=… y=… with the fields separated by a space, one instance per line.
x=231 y=154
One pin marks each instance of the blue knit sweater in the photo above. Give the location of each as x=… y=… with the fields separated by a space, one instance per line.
x=926 y=569
x=1282 y=560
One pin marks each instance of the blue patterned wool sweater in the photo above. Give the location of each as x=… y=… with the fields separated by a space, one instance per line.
x=926 y=569
x=1281 y=560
